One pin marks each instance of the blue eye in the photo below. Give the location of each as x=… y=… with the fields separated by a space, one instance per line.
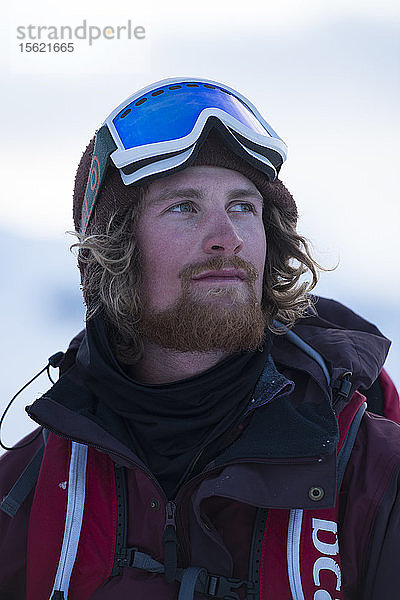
x=248 y=207
x=188 y=207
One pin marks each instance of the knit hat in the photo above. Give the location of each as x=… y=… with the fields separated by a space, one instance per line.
x=115 y=196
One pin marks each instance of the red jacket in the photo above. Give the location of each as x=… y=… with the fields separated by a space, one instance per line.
x=222 y=510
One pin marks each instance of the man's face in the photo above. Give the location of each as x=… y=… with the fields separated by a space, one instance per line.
x=202 y=243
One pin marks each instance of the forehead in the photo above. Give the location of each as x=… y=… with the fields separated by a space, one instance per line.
x=203 y=178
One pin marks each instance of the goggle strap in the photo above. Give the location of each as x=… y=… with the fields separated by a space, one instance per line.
x=104 y=145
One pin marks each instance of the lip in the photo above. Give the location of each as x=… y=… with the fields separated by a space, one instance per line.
x=224 y=274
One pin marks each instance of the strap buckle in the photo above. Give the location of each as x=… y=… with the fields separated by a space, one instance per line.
x=126 y=557
x=223 y=587
x=343 y=385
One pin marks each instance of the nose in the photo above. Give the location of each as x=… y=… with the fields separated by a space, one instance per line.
x=223 y=238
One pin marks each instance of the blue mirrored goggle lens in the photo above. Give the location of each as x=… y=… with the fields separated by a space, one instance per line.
x=171 y=112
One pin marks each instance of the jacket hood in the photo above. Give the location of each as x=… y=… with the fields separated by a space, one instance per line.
x=348 y=343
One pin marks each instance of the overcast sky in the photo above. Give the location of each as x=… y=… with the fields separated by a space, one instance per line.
x=326 y=75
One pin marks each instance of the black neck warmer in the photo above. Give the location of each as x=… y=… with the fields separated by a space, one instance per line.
x=170 y=423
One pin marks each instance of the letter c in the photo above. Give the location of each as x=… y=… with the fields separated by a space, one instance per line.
x=322 y=595
x=325 y=563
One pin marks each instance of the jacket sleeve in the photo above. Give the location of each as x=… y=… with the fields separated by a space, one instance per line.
x=383 y=567
x=383 y=576
x=14 y=530
x=391 y=402
x=369 y=522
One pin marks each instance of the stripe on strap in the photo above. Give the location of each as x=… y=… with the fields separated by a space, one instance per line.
x=73 y=520
x=293 y=553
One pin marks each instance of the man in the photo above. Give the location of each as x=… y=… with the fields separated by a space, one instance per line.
x=207 y=437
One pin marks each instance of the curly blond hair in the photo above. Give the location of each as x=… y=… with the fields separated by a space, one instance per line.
x=110 y=260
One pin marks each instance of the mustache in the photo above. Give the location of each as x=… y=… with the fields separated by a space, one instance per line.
x=216 y=263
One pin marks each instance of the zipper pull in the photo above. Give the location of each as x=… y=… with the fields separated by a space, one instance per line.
x=169 y=541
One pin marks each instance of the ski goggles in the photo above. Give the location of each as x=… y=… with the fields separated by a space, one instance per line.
x=161 y=127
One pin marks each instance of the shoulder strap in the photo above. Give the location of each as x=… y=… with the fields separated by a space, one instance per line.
x=25 y=483
x=346 y=449
x=300 y=343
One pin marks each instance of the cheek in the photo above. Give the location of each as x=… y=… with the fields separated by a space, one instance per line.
x=163 y=247
x=161 y=262
x=161 y=258
x=257 y=248
x=152 y=245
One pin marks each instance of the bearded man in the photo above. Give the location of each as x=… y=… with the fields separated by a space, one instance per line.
x=208 y=436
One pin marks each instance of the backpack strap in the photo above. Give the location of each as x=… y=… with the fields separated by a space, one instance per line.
x=121 y=520
x=189 y=580
x=25 y=483
x=347 y=447
x=342 y=387
x=192 y=579
x=73 y=520
x=75 y=493
x=300 y=343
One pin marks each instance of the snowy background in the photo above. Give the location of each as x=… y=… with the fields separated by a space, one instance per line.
x=326 y=75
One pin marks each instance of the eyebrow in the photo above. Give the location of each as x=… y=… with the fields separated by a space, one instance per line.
x=196 y=194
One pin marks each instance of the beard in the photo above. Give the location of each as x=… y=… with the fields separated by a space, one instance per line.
x=227 y=318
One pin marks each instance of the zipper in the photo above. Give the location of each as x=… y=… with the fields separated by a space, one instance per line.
x=293 y=553
x=73 y=520
x=186 y=476
x=170 y=542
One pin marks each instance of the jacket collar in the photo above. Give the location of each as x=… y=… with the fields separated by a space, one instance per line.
x=299 y=424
